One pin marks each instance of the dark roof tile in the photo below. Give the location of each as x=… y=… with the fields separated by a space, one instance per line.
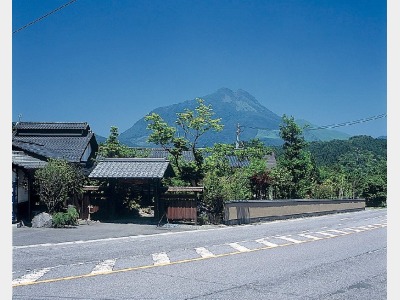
x=131 y=168
x=45 y=139
x=51 y=125
x=22 y=159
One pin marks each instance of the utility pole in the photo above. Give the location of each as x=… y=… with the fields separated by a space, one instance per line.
x=238 y=131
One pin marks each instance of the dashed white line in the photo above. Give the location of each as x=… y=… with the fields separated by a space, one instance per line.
x=31 y=277
x=203 y=252
x=289 y=239
x=238 y=247
x=326 y=233
x=266 y=243
x=364 y=227
x=160 y=258
x=309 y=236
x=338 y=231
x=354 y=229
x=104 y=266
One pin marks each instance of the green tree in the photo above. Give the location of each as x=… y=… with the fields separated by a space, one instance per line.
x=358 y=167
x=332 y=183
x=112 y=148
x=296 y=158
x=282 y=183
x=194 y=124
x=375 y=187
x=57 y=182
x=216 y=160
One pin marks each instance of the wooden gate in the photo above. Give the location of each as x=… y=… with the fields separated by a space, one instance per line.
x=180 y=203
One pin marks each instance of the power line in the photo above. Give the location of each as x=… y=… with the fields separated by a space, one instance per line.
x=349 y=123
x=42 y=17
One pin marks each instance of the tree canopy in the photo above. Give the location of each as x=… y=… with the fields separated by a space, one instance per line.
x=193 y=124
x=58 y=181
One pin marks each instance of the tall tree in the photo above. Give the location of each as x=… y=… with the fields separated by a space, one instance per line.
x=296 y=159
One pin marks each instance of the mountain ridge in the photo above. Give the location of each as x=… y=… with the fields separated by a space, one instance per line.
x=235 y=108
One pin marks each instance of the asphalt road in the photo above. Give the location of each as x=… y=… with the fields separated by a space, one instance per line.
x=339 y=256
x=96 y=230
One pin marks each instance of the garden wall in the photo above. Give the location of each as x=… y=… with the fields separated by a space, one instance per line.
x=250 y=211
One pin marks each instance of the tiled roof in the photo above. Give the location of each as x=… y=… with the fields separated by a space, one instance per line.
x=235 y=162
x=38 y=149
x=21 y=159
x=54 y=139
x=131 y=168
x=70 y=148
x=162 y=153
x=51 y=125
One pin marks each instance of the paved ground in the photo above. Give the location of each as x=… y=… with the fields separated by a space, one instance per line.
x=92 y=230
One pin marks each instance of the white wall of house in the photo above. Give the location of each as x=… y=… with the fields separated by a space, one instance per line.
x=86 y=154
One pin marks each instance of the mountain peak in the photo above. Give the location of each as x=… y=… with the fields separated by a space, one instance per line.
x=233 y=107
x=241 y=99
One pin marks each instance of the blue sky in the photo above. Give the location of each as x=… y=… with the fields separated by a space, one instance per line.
x=109 y=63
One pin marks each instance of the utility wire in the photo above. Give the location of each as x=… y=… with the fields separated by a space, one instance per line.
x=42 y=17
x=349 y=123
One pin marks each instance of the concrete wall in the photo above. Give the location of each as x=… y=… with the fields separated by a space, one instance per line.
x=244 y=212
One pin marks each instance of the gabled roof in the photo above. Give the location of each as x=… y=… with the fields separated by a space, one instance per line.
x=23 y=160
x=132 y=168
x=61 y=140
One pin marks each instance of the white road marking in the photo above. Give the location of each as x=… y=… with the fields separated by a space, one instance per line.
x=310 y=236
x=266 y=243
x=373 y=226
x=203 y=252
x=354 y=229
x=31 y=277
x=289 y=239
x=104 y=266
x=326 y=233
x=238 y=247
x=338 y=231
x=364 y=227
x=160 y=258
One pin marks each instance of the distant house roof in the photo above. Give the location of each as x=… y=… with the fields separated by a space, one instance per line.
x=233 y=160
x=23 y=160
x=132 y=168
x=271 y=160
x=162 y=153
x=236 y=162
x=63 y=140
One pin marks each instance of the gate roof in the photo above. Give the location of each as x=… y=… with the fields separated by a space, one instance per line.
x=132 y=168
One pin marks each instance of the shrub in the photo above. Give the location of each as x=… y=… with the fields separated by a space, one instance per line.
x=62 y=219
